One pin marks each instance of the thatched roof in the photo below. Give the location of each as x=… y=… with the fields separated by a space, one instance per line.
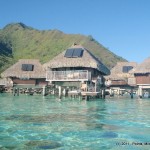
x=143 y=68
x=87 y=60
x=16 y=70
x=117 y=71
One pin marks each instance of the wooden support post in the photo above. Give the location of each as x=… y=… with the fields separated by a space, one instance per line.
x=118 y=91
x=59 y=92
x=87 y=98
x=95 y=85
x=121 y=92
x=100 y=96
x=111 y=93
x=140 y=92
x=64 y=92
x=131 y=93
x=103 y=93
x=17 y=91
x=86 y=87
x=44 y=91
x=148 y=93
x=14 y=91
x=53 y=91
x=79 y=96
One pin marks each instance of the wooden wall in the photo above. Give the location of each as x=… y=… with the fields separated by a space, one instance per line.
x=19 y=81
x=30 y=81
x=119 y=82
x=143 y=79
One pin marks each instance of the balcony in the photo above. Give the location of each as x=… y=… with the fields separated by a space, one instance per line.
x=75 y=75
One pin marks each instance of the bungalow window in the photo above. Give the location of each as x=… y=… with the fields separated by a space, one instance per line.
x=126 y=69
x=27 y=67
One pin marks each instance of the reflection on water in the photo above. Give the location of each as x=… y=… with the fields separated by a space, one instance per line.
x=36 y=122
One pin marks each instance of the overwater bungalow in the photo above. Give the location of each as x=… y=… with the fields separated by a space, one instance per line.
x=76 y=68
x=142 y=75
x=120 y=80
x=26 y=74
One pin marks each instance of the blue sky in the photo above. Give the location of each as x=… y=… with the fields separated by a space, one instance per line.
x=122 y=26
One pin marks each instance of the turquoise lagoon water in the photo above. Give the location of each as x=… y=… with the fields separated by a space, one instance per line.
x=36 y=122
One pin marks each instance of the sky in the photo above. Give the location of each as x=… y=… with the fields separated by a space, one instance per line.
x=122 y=26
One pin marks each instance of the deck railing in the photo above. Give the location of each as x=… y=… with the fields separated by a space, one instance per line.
x=75 y=75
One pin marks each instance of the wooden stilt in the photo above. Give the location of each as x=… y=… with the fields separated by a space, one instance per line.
x=53 y=91
x=140 y=92
x=103 y=93
x=100 y=96
x=17 y=91
x=64 y=92
x=148 y=93
x=14 y=91
x=118 y=92
x=59 y=92
x=111 y=92
x=44 y=91
x=95 y=86
x=131 y=93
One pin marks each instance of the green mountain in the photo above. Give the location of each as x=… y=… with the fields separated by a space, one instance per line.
x=20 y=41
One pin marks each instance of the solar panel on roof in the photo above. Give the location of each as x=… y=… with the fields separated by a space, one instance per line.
x=30 y=67
x=126 y=69
x=78 y=52
x=130 y=68
x=69 y=53
x=27 y=67
x=24 y=67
